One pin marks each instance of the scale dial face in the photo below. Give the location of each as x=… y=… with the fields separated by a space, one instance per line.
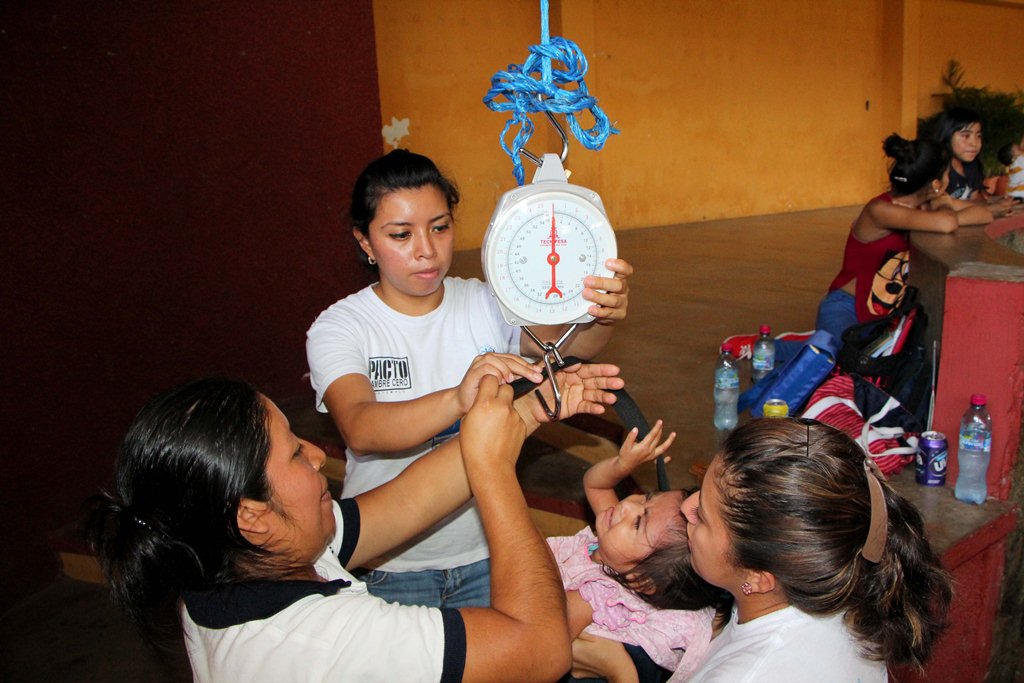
x=539 y=247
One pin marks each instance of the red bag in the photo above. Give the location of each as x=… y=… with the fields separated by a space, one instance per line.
x=891 y=447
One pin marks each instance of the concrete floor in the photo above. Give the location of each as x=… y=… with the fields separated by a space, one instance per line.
x=694 y=285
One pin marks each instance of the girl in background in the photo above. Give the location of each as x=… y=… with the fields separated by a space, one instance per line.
x=960 y=131
x=876 y=259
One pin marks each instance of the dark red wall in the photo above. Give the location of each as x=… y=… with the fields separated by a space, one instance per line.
x=174 y=177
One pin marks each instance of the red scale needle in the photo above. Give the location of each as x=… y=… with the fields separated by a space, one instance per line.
x=553 y=258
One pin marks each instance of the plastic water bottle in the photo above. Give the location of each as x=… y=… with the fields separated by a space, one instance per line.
x=727 y=392
x=974 y=452
x=762 y=359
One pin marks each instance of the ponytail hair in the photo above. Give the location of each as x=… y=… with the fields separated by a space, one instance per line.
x=796 y=501
x=915 y=163
x=170 y=522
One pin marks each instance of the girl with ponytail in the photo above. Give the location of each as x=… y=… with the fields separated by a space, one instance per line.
x=832 y=576
x=873 y=277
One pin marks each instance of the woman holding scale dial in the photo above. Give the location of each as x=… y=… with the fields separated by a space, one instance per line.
x=398 y=363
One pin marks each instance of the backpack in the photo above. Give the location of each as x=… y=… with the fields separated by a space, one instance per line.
x=874 y=419
x=889 y=352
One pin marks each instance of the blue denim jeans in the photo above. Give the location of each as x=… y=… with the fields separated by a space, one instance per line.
x=836 y=312
x=466 y=586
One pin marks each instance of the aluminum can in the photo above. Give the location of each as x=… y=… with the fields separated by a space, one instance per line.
x=931 y=459
x=775 y=407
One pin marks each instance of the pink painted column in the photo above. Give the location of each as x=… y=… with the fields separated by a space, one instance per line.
x=983 y=352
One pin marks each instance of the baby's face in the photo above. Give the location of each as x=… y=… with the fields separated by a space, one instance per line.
x=632 y=530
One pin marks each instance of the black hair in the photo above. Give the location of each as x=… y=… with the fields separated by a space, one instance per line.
x=1005 y=154
x=666 y=578
x=952 y=121
x=915 y=163
x=399 y=169
x=170 y=524
x=796 y=502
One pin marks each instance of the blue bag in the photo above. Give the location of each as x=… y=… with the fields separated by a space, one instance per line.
x=795 y=381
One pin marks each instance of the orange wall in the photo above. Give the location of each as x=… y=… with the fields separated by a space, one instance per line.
x=727 y=107
x=987 y=40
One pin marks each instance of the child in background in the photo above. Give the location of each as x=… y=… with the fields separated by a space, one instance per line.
x=1012 y=156
x=629 y=579
x=960 y=131
x=876 y=259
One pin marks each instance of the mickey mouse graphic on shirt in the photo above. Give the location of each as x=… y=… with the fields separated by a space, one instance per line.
x=889 y=283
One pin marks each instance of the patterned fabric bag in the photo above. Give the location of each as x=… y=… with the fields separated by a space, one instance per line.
x=889 y=433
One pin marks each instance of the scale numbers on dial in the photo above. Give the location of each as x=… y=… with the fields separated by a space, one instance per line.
x=543 y=240
x=546 y=249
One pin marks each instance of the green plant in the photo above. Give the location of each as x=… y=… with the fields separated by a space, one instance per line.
x=1001 y=112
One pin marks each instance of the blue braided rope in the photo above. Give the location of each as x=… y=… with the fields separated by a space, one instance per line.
x=526 y=94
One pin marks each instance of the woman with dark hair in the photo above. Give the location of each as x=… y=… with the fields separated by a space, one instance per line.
x=219 y=507
x=396 y=363
x=831 y=573
x=876 y=259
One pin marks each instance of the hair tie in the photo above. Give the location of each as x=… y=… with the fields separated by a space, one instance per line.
x=899 y=179
x=878 y=529
x=142 y=523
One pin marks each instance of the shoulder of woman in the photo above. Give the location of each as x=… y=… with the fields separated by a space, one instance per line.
x=353 y=306
x=875 y=220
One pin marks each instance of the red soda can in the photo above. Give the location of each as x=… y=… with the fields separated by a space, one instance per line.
x=931 y=459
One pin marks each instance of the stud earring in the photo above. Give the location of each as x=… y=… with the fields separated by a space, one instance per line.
x=372 y=260
x=746 y=588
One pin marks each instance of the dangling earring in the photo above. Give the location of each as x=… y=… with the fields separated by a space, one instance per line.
x=746 y=588
x=372 y=260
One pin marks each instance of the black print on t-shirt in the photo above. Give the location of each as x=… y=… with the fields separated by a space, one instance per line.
x=390 y=374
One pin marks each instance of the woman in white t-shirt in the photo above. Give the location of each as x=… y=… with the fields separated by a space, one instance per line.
x=830 y=572
x=220 y=509
x=396 y=364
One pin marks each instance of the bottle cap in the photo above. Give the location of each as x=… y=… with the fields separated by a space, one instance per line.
x=727 y=346
x=765 y=329
x=977 y=399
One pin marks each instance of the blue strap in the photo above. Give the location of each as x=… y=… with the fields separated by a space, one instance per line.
x=536 y=86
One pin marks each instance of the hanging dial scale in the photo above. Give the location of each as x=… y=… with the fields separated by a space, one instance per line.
x=543 y=239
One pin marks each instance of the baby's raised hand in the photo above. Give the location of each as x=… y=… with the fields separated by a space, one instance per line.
x=634 y=453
